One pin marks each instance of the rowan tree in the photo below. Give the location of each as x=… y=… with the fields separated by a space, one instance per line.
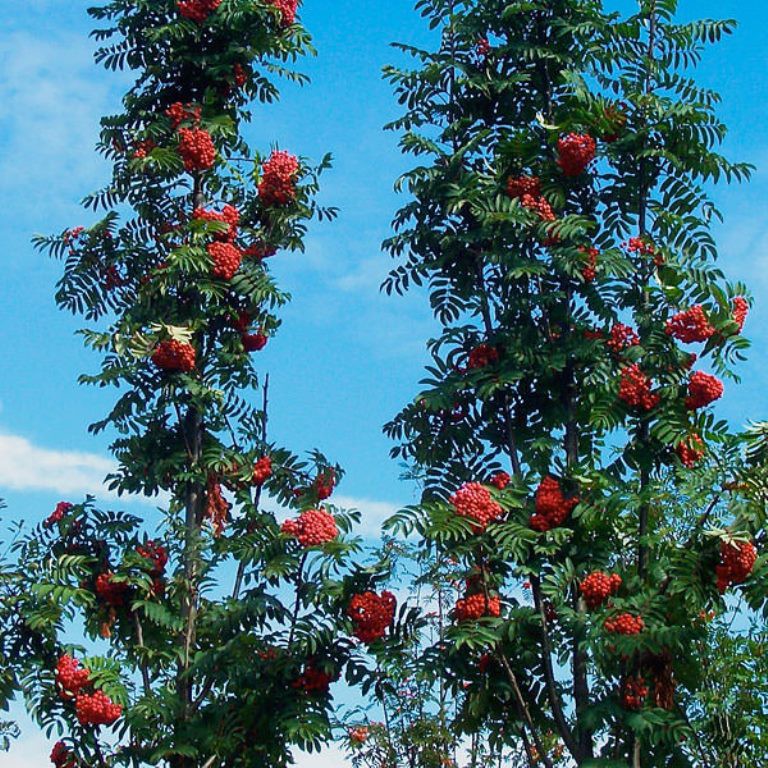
x=212 y=640
x=560 y=220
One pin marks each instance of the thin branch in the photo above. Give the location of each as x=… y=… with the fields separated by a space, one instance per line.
x=546 y=656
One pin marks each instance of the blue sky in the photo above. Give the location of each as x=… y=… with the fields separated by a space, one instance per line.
x=347 y=357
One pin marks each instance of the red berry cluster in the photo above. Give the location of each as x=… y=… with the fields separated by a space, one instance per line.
x=691 y=325
x=520 y=186
x=313 y=680
x=278 y=181
x=226 y=260
x=589 y=270
x=476 y=606
x=483 y=47
x=239 y=75
x=575 y=152
x=635 y=389
x=260 y=250
x=703 y=389
x=174 y=355
x=229 y=215
x=691 y=450
x=156 y=554
x=633 y=692
x=92 y=708
x=598 y=587
x=96 y=709
x=483 y=355
x=63 y=508
x=501 y=480
x=473 y=500
x=625 y=624
x=638 y=245
x=262 y=470
x=740 y=312
x=113 y=593
x=737 y=559
x=196 y=149
x=197 y=10
x=622 y=337
x=62 y=757
x=254 y=342
x=178 y=113
x=142 y=148
x=540 y=206
x=325 y=484
x=359 y=735
x=287 y=10
x=372 y=615
x=552 y=508
x=70 y=677
x=312 y=528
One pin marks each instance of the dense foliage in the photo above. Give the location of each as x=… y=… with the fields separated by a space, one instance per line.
x=560 y=220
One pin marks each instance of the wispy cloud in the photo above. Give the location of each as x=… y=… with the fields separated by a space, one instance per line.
x=28 y=467
x=52 y=98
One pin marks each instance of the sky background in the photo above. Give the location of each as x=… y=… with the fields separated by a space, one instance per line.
x=347 y=358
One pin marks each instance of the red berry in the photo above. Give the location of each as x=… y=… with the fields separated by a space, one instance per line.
x=691 y=450
x=226 y=260
x=229 y=215
x=196 y=149
x=473 y=500
x=178 y=113
x=70 y=677
x=740 y=312
x=371 y=615
x=176 y=356
x=113 y=593
x=313 y=680
x=254 y=342
x=622 y=337
x=703 y=389
x=575 y=152
x=589 y=270
x=737 y=559
x=63 y=508
x=552 y=507
x=518 y=187
x=598 y=587
x=262 y=470
x=312 y=528
x=278 y=182
x=633 y=692
x=501 y=480
x=197 y=10
x=156 y=554
x=635 y=389
x=691 y=325
x=476 y=606
x=482 y=356
x=96 y=709
x=287 y=9
x=625 y=624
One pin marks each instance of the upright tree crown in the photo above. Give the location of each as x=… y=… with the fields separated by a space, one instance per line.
x=559 y=218
x=220 y=632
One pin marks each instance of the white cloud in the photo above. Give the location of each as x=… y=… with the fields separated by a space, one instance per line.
x=373 y=513
x=27 y=467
